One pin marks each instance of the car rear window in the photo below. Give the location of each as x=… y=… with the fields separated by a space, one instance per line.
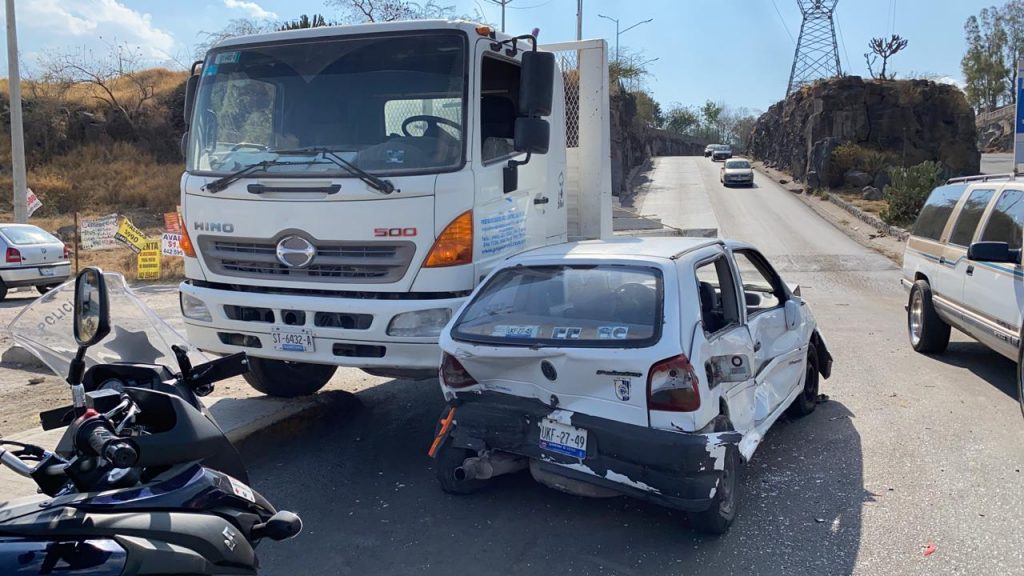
x=566 y=306
x=737 y=164
x=28 y=235
x=932 y=219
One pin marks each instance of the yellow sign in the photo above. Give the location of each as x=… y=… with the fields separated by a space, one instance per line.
x=130 y=236
x=149 y=260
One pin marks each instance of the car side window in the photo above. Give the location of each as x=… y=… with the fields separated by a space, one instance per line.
x=933 y=216
x=970 y=216
x=1006 y=223
x=717 y=293
x=762 y=288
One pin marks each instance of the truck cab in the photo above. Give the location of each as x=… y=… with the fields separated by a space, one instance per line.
x=347 y=187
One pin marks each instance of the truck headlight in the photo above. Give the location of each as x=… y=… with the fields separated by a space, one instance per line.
x=421 y=323
x=194 y=308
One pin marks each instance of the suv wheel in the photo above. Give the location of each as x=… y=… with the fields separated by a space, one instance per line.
x=287 y=379
x=928 y=333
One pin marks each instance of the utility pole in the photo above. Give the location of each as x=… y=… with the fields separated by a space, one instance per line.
x=579 y=20
x=501 y=3
x=617 y=33
x=17 y=127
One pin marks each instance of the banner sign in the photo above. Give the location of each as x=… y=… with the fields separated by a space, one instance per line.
x=33 y=201
x=172 y=223
x=98 y=234
x=131 y=236
x=170 y=244
x=149 y=261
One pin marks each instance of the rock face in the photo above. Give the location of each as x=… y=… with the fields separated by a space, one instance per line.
x=871 y=193
x=858 y=179
x=915 y=120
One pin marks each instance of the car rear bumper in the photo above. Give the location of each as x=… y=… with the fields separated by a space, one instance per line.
x=35 y=275
x=674 y=469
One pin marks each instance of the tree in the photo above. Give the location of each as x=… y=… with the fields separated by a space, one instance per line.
x=984 y=65
x=305 y=21
x=884 y=48
x=682 y=120
x=235 y=27
x=390 y=10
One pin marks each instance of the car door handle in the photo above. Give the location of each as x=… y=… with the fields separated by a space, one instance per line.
x=540 y=200
x=757 y=346
x=970 y=269
x=942 y=259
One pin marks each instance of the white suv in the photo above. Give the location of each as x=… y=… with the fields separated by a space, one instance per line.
x=645 y=367
x=962 y=267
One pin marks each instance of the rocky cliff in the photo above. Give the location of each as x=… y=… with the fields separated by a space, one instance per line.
x=911 y=120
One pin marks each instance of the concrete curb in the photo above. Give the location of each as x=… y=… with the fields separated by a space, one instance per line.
x=870 y=219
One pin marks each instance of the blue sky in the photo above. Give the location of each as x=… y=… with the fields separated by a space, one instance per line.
x=734 y=51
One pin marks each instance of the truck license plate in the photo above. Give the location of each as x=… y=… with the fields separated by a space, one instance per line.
x=562 y=439
x=293 y=339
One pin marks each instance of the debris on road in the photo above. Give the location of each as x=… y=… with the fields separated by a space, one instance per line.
x=930 y=549
x=36 y=380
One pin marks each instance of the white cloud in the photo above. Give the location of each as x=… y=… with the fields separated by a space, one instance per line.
x=254 y=9
x=89 y=19
x=959 y=83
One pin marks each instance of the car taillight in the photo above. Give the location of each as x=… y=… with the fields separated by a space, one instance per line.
x=455 y=245
x=453 y=374
x=186 y=243
x=67 y=252
x=13 y=256
x=673 y=385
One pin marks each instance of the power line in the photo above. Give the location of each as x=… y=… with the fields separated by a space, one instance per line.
x=783 y=20
x=841 y=37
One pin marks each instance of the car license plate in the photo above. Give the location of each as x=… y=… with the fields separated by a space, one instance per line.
x=293 y=339
x=46 y=271
x=562 y=439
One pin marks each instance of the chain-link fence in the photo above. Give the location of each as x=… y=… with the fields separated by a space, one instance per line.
x=568 y=63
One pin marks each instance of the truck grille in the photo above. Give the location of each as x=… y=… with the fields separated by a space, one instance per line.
x=352 y=262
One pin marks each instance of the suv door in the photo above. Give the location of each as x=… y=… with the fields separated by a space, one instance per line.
x=779 y=352
x=993 y=293
x=948 y=282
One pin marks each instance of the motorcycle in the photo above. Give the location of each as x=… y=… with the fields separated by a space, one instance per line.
x=143 y=481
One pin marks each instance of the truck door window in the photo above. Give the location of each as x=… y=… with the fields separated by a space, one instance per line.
x=1006 y=223
x=499 y=92
x=717 y=293
x=970 y=215
x=762 y=287
x=935 y=213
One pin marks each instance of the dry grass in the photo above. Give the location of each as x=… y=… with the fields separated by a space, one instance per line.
x=855 y=197
x=162 y=81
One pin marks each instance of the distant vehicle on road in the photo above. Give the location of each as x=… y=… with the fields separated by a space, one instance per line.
x=962 y=267
x=32 y=257
x=645 y=367
x=709 y=149
x=737 y=171
x=722 y=152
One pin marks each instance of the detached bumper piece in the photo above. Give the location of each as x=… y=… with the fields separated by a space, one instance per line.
x=674 y=469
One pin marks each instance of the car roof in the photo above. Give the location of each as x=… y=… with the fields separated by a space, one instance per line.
x=634 y=247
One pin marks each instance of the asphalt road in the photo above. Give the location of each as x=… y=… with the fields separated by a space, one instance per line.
x=909 y=451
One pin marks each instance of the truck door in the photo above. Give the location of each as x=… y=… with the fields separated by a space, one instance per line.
x=512 y=221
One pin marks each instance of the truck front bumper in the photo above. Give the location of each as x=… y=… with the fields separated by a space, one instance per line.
x=362 y=343
x=674 y=469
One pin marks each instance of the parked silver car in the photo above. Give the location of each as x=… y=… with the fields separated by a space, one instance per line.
x=32 y=257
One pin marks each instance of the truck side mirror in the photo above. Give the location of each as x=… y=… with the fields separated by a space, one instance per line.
x=190 y=97
x=532 y=135
x=993 y=252
x=536 y=83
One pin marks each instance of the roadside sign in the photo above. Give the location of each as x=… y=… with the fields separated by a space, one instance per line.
x=172 y=223
x=1018 y=136
x=149 y=261
x=32 y=201
x=98 y=234
x=130 y=236
x=170 y=244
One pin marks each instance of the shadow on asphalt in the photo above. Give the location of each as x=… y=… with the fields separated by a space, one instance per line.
x=371 y=505
x=984 y=363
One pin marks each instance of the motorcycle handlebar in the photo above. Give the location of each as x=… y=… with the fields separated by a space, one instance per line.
x=118 y=451
x=15 y=463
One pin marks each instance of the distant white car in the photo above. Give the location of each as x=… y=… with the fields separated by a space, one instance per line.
x=708 y=150
x=646 y=367
x=31 y=257
x=737 y=171
x=721 y=152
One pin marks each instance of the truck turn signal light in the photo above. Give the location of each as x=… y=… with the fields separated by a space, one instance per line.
x=186 y=243
x=455 y=245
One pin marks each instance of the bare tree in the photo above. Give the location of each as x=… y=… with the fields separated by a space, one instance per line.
x=115 y=78
x=235 y=27
x=884 y=48
x=390 y=10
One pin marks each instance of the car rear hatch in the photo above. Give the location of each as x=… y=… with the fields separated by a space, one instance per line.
x=29 y=245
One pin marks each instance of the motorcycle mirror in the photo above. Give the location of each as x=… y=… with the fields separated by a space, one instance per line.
x=92 y=311
x=281 y=526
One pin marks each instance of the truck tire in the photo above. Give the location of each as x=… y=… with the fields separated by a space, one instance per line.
x=928 y=333
x=718 y=518
x=807 y=401
x=287 y=379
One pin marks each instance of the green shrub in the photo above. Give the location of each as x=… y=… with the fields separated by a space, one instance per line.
x=908 y=191
x=848 y=157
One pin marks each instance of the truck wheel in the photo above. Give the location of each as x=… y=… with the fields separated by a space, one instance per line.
x=447 y=464
x=287 y=379
x=718 y=518
x=928 y=333
x=805 y=403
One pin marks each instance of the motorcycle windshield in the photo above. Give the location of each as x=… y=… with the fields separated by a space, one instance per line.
x=137 y=334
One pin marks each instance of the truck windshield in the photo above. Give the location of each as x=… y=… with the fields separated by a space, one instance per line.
x=387 y=104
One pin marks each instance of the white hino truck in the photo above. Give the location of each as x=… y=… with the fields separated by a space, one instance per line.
x=347 y=187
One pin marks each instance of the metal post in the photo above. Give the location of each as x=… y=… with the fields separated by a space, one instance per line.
x=1018 y=130
x=617 y=40
x=17 y=127
x=579 y=20
x=78 y=242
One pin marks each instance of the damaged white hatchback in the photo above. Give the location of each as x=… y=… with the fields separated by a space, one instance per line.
x=645 y=367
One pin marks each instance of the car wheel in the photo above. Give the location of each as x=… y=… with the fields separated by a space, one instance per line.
x=928 y=333
x=3 y=291
x=805 y=403
x=719 y=517
x=447 y=466
x=47 y=288
x=287 y=379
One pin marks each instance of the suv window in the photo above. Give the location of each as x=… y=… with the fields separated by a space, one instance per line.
x=970 y=215
x=1006 y=223
x=717 y=293
x=935 y=213
x=762 y=287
